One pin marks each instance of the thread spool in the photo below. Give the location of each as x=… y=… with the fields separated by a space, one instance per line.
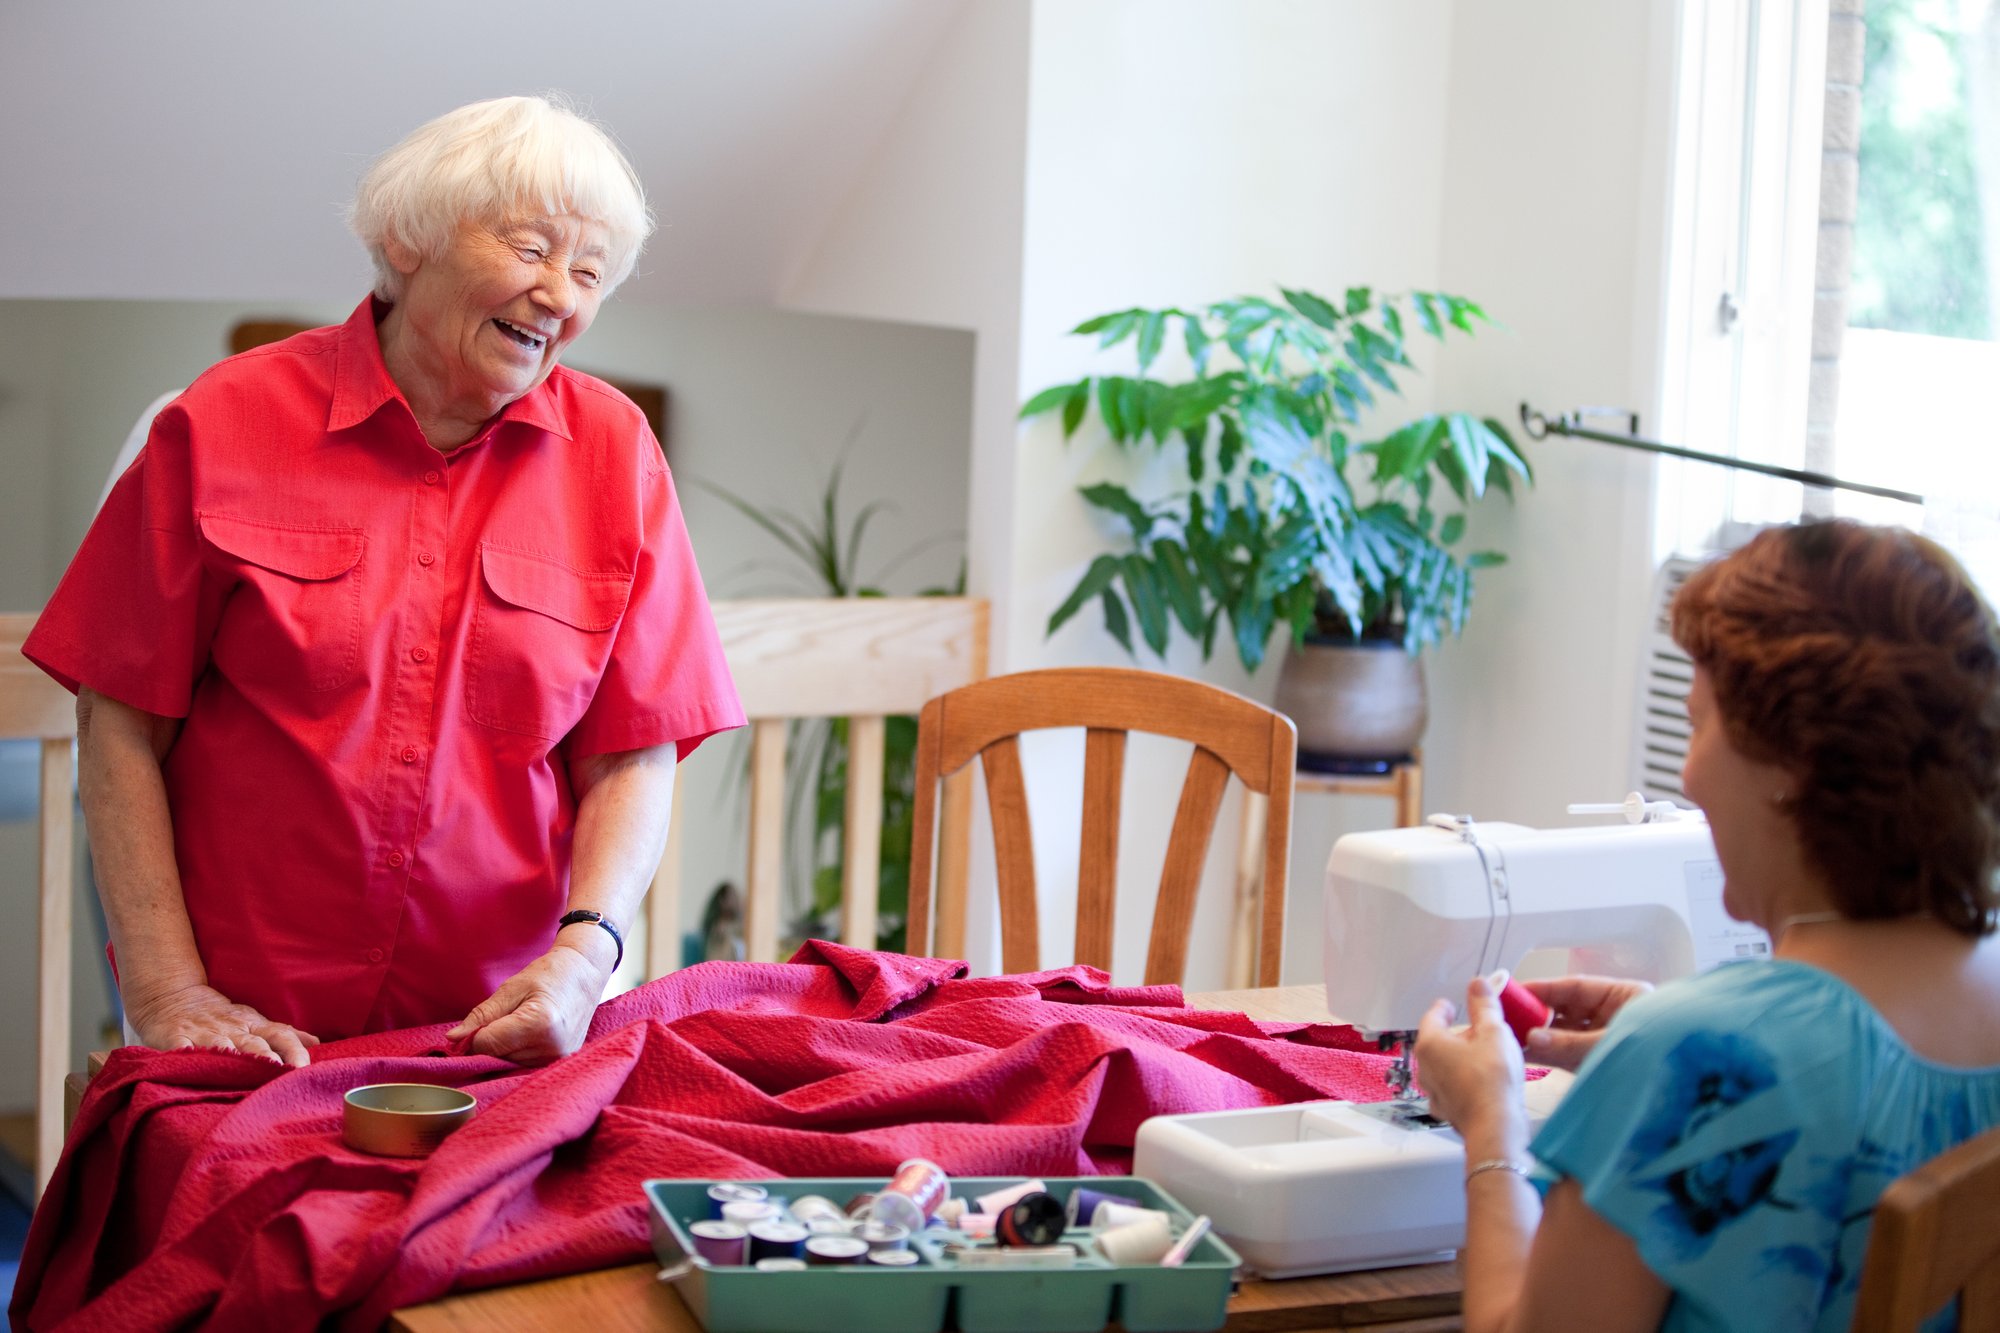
x=1144 y=1240
x=912 y=1195
x=1083 y=1204
x=1523 y=1009
x=749 y=1212
x=835 y=1250
x=777 y=1240
x=1111 y=1215
x=1033 y=1220
x=719 y=1242
x=819 y=1214
x=999 y=1201
x=882 y=1235
x=724 y=1194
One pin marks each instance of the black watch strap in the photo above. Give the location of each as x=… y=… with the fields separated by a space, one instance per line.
x=584 y=914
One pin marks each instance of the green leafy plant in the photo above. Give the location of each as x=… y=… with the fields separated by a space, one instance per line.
x=817 y=748
x=1281 y=518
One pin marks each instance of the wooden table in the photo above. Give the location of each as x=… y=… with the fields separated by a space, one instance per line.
x=1418 y=1299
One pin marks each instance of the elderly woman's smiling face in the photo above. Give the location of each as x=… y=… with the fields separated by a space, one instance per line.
x=486 y=321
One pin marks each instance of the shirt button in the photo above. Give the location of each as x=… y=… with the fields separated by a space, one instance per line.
x=424 y=558
x=395 y=858
x=430 y=478
x=420 y=654
x=409 y=754
x=374 y=955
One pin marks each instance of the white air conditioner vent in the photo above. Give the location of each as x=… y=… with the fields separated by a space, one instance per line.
x=1663 y=689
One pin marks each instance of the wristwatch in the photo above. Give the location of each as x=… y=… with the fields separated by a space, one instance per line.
x=583 y=914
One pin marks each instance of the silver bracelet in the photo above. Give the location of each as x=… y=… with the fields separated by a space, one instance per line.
x=1496 y=1164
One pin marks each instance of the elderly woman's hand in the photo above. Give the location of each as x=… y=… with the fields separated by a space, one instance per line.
x=203 y=1016
x=539 y=1014
x=1473 y=1075
x=1580 y=1007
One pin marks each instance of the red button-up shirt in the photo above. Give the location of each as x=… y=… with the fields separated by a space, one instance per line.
x=383 y=656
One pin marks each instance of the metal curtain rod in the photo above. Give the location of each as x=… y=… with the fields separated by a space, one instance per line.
x=1540 y=427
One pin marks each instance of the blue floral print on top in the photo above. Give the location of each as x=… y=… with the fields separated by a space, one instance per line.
x=1738 y=1126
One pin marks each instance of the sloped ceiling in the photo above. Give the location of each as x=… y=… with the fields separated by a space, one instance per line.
x=205 y=150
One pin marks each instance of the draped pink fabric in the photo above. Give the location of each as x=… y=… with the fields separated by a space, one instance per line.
x=211 y=1186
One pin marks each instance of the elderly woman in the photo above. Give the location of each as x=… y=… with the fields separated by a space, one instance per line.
x=1717 y=1161
x=386 y=647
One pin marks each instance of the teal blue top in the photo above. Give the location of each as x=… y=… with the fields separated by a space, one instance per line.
x=1739 y=1125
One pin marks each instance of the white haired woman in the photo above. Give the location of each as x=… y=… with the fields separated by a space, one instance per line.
x=387 y=646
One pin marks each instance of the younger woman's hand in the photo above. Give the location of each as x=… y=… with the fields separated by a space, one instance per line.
x=1473 y=1075
x=1581 y=1007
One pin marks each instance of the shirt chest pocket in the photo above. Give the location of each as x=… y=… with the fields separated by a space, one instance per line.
x=540 y=639
x=295 y=614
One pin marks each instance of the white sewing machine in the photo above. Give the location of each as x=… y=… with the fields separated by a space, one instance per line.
x=1411 y=914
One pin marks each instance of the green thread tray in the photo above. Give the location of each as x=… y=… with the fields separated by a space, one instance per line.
x=938 y=1294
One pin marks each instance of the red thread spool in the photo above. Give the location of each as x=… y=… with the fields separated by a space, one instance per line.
x=1523 y=1009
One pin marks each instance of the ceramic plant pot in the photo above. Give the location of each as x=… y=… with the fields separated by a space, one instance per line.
x=1354 y=700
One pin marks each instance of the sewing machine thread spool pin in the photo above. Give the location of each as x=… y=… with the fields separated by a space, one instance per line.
x=1635 y=808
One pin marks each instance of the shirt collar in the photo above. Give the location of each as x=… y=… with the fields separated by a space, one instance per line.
x=362 y=385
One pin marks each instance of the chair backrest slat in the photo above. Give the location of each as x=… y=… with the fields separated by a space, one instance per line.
x=1936 y=1232
x=1014 y=850
x=1231 y=735
x=1187 y=853
x=1097 y=860
x=861 y=851
x=764 y=874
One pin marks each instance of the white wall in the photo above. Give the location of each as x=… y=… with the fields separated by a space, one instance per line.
x=1555 y=179
x=1182 y=152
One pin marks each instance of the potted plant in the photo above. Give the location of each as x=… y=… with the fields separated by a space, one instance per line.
x=1278 y=518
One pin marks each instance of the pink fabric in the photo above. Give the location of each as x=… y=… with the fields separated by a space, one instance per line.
x=210 y=1186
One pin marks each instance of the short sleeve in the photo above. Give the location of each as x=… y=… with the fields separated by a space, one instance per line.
x=1698 y=1134
x=667 y=679
x=136 y=610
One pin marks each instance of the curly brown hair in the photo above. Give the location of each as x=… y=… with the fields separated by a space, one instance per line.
x=1862 y=661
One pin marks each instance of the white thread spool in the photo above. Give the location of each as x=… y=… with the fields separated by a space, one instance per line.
x=1109 y=1215
x=1145 y=1240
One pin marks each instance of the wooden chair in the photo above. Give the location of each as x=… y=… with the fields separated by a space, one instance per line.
x=1230 y=734
x=1936 y=1232
x=34 y=707
x=865 y=659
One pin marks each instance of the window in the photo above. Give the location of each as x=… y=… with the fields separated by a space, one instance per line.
x=1832 y=295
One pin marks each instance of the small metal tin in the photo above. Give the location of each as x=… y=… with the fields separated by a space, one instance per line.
x=781 y=1265
x=719 y=1195
x=1031 y=1221
x=882 y=1235
x=402 y=1119
x=895 y=1258
x=777 y=1240
x=720 y=1242
x=835 y=1250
